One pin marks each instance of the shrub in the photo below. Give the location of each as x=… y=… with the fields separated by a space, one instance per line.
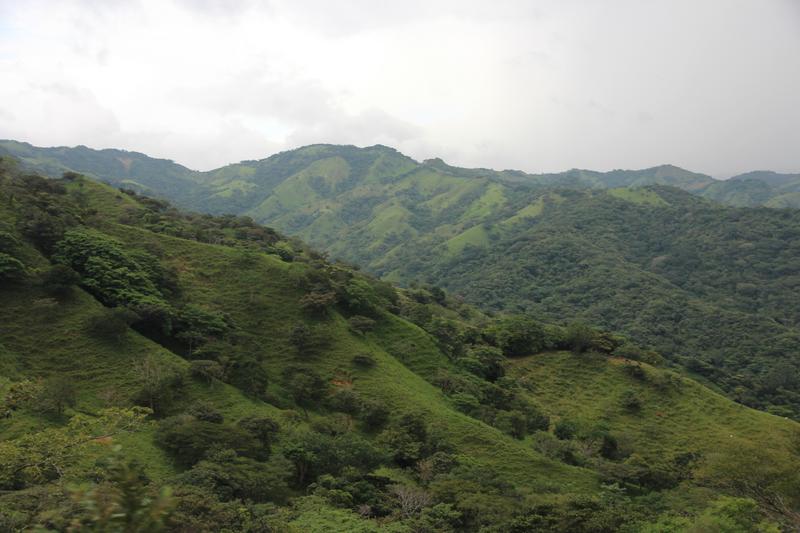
x=189 y=439
x=11 y=268
x=112 y=324
x=363 y=360
x=579 y=337
x=565 y=430
x=206 y=412
x=344 y=401
x=512 y=422
x=59 y=280
x=361 y=324
x=56 y=395
x=206 y=370
x=630 y=400
x=374 y=414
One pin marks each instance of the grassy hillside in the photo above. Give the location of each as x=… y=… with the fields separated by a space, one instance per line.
x=283 y=392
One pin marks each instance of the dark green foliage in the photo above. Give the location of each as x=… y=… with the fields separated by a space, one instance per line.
x=107 y=269
x=205 y=412
x=631 y=401
x=207 y=370
x=262 y=428
x=317 y=303
x=249 y=374
x=363 y=360
x=512 y=422
x=361 y=324
x=565 y=430
x=11 y=268
x=112 y=324
x=308 y=341
x=344 y=400
x=374 y=414
x=189 y=439
x=159 y=385
x=315 y=454
x=579 y=337
x=305 y=386
x=230 y=476
x=59 y=280
x=519 y=335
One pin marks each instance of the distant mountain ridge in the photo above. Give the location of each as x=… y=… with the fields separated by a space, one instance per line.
x=195 y=189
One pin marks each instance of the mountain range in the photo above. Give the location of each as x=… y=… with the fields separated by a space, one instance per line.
x=652 y=253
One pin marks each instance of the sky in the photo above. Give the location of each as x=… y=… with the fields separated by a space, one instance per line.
x=541 y=86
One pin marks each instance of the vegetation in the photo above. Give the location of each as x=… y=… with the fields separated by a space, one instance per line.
x=220 y=399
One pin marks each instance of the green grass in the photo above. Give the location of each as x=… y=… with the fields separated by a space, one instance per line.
x=475 y=236
x=586 y=389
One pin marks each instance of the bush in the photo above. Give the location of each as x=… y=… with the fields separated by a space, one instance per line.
x=59 y=280
x=344 y=401
x=112 y=324
x=513 y=423
x=206 y=370
x=580 y=337
x=565 y=430
x=374 y=414
x=11 y=268
x=519 y=335
x=206 y=412
x=363 y=360
x=630 y=400
x=57 y=394
x=189 y=439
x=361 y=324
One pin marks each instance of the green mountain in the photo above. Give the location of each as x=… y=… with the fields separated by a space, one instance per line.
x=163 y=370
x=710 y=287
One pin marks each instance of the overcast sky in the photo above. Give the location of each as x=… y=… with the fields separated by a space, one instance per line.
x=709 y=85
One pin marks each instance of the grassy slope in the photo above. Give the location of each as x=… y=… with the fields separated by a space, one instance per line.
x=261 y=295
x=688 y=418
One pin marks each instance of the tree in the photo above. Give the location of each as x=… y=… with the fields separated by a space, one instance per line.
x=318 y=302
x=512 y=422
x=38 y=457
x=519 y=335
x=207 y=370
x=158 y=384
x=112 y=324
x=59 y=280
x=579 y=337
x=306 y=387
x=361 y=324
x=263 y=428
x=565 y=430
x=411 y=500
x=58 y=393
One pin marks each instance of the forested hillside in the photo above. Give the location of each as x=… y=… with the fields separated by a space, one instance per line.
x=712 y=288
x=163 y=370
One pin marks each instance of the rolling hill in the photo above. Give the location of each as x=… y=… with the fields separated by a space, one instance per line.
x=640 y=252
x=143 y=347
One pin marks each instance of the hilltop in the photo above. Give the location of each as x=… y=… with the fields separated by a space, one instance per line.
x=272 y=389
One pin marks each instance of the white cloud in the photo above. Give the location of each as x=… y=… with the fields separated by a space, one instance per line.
x=536 y=85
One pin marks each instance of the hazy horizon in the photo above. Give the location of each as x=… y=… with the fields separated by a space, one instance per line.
x=539 y=86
